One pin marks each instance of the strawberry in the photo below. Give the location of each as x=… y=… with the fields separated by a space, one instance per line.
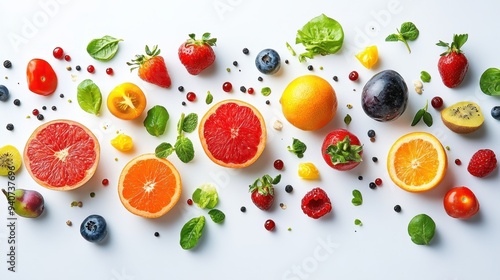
x=342 y=150
x=197 y=55
x=482 y=163
x=453 y=64
x=152 y=67
x=262 y=191
x=316 y=203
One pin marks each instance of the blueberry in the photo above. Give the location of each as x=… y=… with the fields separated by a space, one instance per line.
x=4 y=93
x=495 y=112
x=94 y=228
x=268 y=61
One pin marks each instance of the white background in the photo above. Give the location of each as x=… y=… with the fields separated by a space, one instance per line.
x=329 y=248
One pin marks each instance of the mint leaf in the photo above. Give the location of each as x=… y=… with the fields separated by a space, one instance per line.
x=191 y=232
x=164 y=150
x=357 y=198
x=421 y=229
x=190 y=122
x=89 y=97
x=407 y=32
x=217 y=216
x=297 y=147
x=156 y=120
x=206 y=196
x=184 y=149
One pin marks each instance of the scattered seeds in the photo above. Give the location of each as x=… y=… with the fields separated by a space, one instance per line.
x=92 y=194
x=349 y=106
x=278 y=125
x=283 y=206
x=69 y=223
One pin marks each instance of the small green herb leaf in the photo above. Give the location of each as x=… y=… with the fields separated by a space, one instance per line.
x=407 y=32
x=422 y=113
x=190 y=122
x=490 y=81
x=89 y=97
x=358 y=222
x=217 y=216
x=156 y=120
x=290 y=49
x=164 y=150
x=206 y=196
x=392 y=38
x=184 y=149
x=421 y=229
x=427 y=119
x=418 y=116
x=297 y=147
x=357 y=198
x=265 y=91
x=191 y=232
x=347 y=119
x=425 y=76
x=103 y=49
x=209 y=98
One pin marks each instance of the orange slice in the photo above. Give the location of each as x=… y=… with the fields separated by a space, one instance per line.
x=417 y=162
x=149 y=186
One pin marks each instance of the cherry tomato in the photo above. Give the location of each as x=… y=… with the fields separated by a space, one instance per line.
x=461 y=203
x=41 y=77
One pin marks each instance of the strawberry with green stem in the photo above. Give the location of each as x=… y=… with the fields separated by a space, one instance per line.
x=262 y=191
x=151 y=67
x=453 y=64
x=197 y=54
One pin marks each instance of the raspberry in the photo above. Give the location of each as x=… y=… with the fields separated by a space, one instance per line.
x=482 y=163
x=316 y=203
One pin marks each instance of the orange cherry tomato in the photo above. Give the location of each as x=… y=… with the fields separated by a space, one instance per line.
x=461 y=203
x=41 y=77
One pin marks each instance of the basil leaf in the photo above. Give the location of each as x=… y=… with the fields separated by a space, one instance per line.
x=427 y=119
x=191 y=232
x=409 y=31
x=418 y=116
x=164 y=150
x=184 y=149
x=490 y=81
x=156 y=120
x=320 y=36
x=209 y=98
x=421 y=229
x=190 y=122
x=89 y=97
x=217 y=216
x=103 y=49
x=425 y=76
x=357 y=198
x=206 y=196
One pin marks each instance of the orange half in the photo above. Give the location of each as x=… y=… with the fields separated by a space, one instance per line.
x=149 y=186
x=417 y=162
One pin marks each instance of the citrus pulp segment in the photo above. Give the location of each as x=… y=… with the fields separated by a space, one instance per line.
x=149 y=186
x=233 y=133
x=61 y=155
x=417 y=162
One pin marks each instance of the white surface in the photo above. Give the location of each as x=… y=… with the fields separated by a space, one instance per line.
x=329 y=248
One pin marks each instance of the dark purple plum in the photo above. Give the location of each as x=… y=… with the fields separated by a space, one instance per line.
x=385 y=96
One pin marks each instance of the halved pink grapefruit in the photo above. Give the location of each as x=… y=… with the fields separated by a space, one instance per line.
x=233 y=133
x=61 y=155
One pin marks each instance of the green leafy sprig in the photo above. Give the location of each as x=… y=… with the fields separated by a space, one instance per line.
x=183 y=146
x=298 y=148
x=407 y=32
x=423 y=114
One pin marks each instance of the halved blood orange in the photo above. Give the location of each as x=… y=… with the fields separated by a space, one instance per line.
x=61 y=155
x=149 y=186
x=233 y=133
x=417 y=162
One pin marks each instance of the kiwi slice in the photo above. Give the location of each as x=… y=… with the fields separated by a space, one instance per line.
x=463 y=117
x=10 y=160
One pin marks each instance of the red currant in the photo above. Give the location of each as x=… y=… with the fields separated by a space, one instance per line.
x=191 y=96
x=458 y=162
x=250 y=90
x=437 y=102
x=270 y=225
x=378 y=181
x=35 y=112
x=67 y=58
x=58 y=53
x=227 y=87
x=353 y=76
x=278 y=164
x=91 y=69
x=109 y=71
x=190 y=201
x=105 y=182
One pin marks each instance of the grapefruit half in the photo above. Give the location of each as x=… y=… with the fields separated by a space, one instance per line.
x=233 y=133
x=61 y=155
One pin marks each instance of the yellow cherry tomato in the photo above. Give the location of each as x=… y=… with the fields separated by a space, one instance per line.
x=368 y=57
x=307 y=170
x=122 y=143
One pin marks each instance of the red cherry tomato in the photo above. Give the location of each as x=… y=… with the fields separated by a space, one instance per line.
x=41 y=77
x=461 y=203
